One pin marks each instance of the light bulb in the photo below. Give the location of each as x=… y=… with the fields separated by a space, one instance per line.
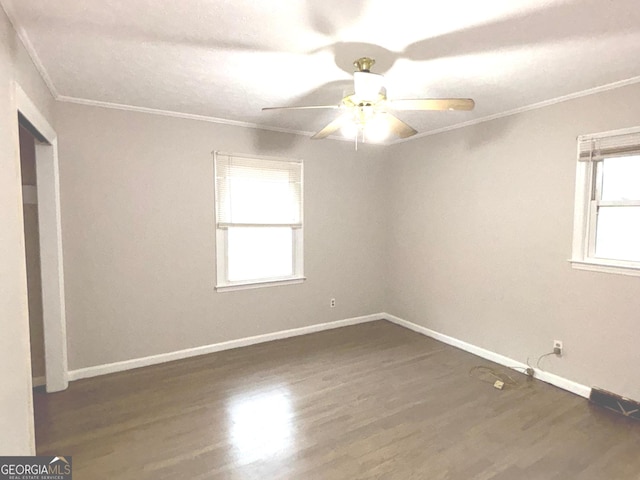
x=349 y=130
x=376 y=129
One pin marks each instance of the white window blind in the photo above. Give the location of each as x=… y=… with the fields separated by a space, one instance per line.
x=594 y=148
x=258 y=192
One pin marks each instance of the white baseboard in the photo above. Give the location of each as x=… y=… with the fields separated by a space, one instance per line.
x=216 y=347
x=547 y=377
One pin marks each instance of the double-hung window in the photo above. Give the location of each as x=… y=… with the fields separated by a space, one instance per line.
x=607 y=210
x=258 y=221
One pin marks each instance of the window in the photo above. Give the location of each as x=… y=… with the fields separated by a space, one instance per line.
x=607 y=211
x=258 y=221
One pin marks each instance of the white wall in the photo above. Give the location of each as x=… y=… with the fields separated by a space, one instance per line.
x=138 y=234
x=481 y=232
x=16 y=410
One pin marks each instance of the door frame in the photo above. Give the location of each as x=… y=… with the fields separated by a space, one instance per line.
x=50 y=232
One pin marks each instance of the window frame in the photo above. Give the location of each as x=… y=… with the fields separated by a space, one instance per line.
x=587 y=201
x=223 y=284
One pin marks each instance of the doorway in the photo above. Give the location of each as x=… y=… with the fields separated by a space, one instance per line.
x=32 y=252
x=40 y=140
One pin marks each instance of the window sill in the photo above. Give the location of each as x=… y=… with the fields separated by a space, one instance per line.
x=607 y=267
x=230 y=287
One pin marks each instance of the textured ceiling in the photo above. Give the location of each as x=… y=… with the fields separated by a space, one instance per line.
x=228 y=59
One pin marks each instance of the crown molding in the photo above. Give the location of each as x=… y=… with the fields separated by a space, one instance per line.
x=28 y=46
x=171 y=113
x=192 y=116
x=237 y=123
x=526 y=108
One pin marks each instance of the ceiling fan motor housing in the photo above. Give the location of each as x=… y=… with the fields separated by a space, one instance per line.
x=367 y=85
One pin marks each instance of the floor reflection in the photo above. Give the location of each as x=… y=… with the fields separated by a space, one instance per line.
x=261 y=424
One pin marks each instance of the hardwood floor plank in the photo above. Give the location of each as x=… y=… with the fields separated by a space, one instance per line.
x=361 y=402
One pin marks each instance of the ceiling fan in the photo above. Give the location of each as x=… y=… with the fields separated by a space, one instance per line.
x=367 y=110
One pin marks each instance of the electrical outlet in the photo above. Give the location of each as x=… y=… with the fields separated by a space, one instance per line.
x=557 y=347
x=332 y=303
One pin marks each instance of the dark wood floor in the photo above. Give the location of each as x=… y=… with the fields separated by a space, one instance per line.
x=368 y=401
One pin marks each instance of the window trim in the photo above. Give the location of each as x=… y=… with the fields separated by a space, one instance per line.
x=224 y=285
x=585 y=211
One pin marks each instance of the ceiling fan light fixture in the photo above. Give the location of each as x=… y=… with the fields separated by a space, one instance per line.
x=367 y=85
x=368 y=114
x=350 y=130
x=376 y=129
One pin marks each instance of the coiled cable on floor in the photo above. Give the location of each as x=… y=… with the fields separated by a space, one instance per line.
x=480 y=372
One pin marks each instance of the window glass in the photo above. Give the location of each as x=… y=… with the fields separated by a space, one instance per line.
x=256 y=253
x=618 y=233
x=621 y=178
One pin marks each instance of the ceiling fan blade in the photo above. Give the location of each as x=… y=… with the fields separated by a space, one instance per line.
x=303 y=107
x=333 y=126
x=432 y=104
x=400 y=128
